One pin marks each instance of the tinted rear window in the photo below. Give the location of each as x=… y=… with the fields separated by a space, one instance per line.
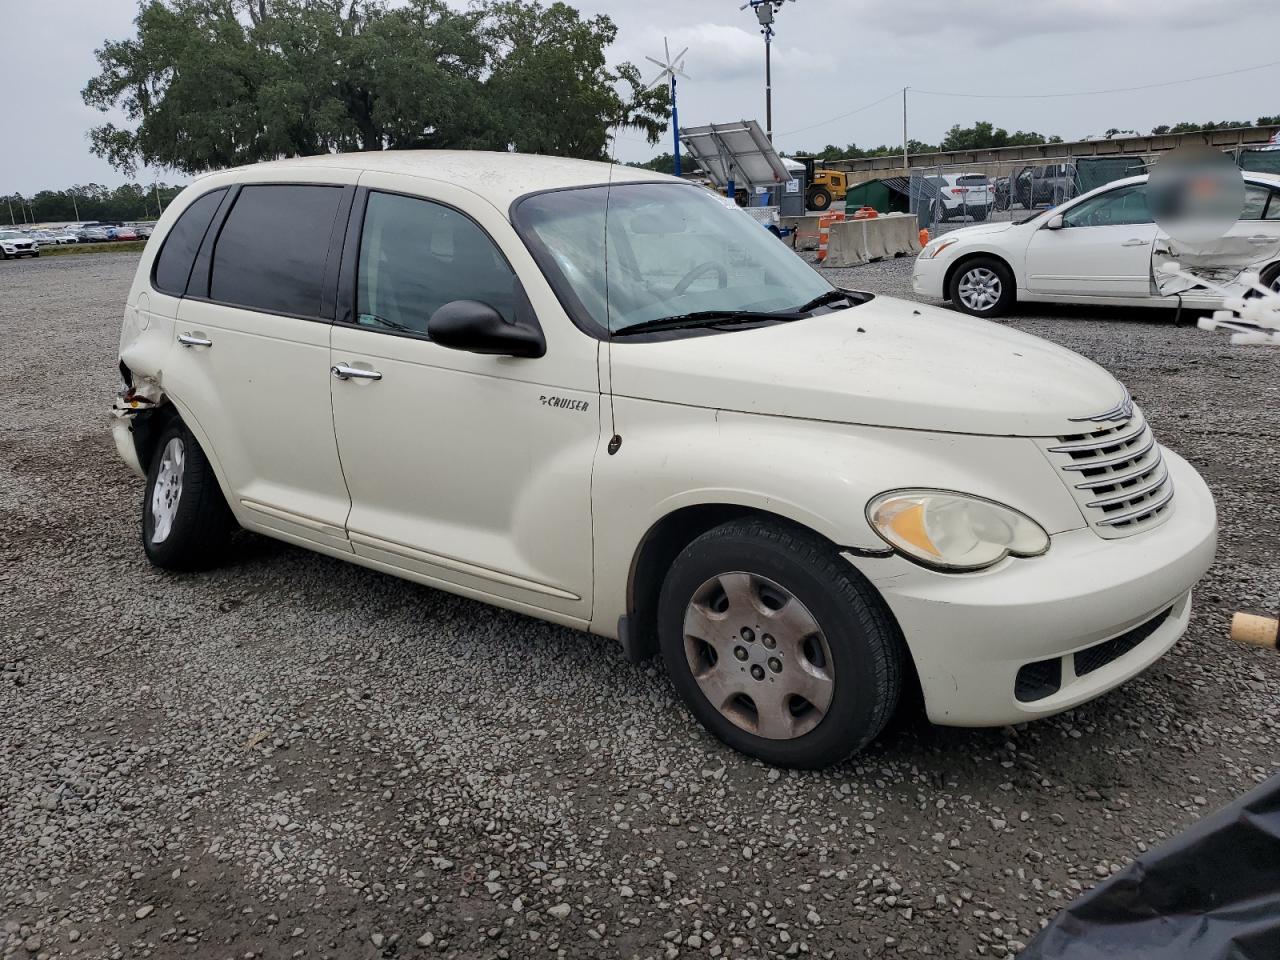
x=973 y=179
x=173 y=265
x=271 y=251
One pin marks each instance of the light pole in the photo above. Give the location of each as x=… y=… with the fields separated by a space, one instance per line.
x=765 y=11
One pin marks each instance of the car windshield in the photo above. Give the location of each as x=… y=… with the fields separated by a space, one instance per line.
x=10 y=235
x=669 y=250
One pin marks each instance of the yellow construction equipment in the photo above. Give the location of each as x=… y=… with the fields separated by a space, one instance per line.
x=823 y=187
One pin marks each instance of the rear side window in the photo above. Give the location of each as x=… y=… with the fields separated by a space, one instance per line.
x=173 y=265
x=272 y=249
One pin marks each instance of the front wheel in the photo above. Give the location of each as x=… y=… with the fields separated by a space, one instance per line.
x=777 y=645
x=186 y=523
x=983 y=287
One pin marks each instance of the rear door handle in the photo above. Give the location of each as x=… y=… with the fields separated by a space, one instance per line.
x=1136 y=243
x=190 y=340
x=344 y=372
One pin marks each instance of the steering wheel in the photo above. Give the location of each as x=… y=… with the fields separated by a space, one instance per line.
x=705 y=267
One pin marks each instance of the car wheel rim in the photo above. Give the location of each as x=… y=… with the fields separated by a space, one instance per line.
x=167 y=491
x=980 y=289
x=758 y=655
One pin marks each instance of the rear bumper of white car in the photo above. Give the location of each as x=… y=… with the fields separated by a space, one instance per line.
x=1033 y=637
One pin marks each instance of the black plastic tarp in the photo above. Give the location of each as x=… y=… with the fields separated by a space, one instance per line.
x=1211 y=893
x=1261 y=160
x=1095 y=171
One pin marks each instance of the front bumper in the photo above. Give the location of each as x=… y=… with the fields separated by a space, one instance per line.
x=971 y=634
x=927 y=278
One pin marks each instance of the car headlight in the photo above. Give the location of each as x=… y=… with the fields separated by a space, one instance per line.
x=936 y=247
x=954 y=531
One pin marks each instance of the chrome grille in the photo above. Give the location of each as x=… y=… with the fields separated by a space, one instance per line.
x=1117 y=474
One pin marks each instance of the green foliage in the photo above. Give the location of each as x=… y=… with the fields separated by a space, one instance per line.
x=132 y=201
x=665 y=163
x=215 y=83
x=1193 y=127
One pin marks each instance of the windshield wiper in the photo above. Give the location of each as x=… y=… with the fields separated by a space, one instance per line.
x=831 y=296
x=702 y=318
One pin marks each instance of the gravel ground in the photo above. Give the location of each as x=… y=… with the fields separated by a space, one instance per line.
x=294 y=757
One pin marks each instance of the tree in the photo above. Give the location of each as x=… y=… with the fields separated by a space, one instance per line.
x=214 y=83
x=131 y=201
x=663 y=163
x=983 y=135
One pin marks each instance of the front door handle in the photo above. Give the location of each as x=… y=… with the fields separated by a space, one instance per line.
x=344 y=372
x=1136 y=243
x=190 y=340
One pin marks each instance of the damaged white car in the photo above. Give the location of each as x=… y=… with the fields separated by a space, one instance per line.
x=1103 y=247
x=594 y=395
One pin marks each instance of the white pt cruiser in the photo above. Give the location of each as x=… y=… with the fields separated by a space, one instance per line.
x=597 y=396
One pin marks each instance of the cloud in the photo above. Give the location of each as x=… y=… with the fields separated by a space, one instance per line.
x=999 y=21
x=717 y=52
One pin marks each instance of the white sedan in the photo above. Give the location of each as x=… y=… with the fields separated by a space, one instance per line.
x=1102 y=247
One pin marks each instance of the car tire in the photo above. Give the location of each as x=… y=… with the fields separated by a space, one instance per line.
x=982 y=287
x=186 y=523
x=806 y=624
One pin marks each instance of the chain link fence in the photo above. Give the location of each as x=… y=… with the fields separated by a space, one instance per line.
x=945 y=197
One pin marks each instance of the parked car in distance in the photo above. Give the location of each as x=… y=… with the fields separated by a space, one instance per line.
x=125 y=233
x=1000 y=193
x=63 y=236
x=806 y=499
x=962 y=195
x=1044 y=184
x=93 y=235
x=15 y=244
x=1096 y=248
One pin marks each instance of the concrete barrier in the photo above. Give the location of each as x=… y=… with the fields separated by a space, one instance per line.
x=859 y=241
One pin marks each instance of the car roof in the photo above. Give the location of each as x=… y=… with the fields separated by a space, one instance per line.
x=499 y=177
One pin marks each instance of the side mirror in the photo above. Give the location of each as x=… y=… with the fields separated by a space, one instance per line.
x=478 y=328
x=1055 y=222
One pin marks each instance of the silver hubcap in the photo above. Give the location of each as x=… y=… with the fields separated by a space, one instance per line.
x=167 y=491
x=758 y=655
x=980 y=289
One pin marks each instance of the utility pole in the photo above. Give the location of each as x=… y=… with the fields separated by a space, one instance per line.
x=906 y=163
x=155 y=186
x=75 y=206
x=12 y=222
x=765 y=12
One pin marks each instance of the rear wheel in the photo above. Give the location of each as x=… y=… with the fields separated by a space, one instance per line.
x=777 y=645
x=983 y=287
x=186 y=523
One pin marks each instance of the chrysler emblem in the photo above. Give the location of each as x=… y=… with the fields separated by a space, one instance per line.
x=1121 y=411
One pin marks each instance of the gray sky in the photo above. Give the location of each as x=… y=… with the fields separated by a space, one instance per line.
x=856 y=52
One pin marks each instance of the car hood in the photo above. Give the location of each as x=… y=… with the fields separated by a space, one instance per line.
x=979 y=230
x=884 y=363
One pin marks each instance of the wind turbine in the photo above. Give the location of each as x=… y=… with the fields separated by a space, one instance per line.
x=671 y=67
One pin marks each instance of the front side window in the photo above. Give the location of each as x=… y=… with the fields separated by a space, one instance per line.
x=173 y=265
x=1127 y=205
x=272 y=249
x=416 y=256
x=667 y=250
